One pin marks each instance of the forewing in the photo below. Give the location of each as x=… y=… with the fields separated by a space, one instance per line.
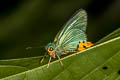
x=56 y=37
x=78 y=21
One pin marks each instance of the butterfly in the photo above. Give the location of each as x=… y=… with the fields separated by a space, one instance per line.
x=70 y=39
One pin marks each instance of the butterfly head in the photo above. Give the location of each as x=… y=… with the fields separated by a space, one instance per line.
x=50 y=49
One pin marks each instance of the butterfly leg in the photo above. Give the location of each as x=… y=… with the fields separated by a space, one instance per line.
x=49 y=62
x=59 y=59
x=43 y=57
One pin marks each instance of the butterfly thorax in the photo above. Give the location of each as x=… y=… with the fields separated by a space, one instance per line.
x=53 y=49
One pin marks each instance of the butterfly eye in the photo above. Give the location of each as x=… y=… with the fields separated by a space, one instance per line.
x=51 y=48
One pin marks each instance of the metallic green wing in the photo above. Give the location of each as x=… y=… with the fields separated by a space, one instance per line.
x=79 y=20
x=76 y=23
x=56 y=37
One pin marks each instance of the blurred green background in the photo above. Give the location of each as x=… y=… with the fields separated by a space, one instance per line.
x=35 y=23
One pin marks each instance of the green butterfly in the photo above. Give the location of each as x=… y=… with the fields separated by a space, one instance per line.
x=71 y=38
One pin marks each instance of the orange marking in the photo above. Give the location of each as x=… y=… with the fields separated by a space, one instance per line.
x=81 y=48
x=84 y=45
x=89 y=44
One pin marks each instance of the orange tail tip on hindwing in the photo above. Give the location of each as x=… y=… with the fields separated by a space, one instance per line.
x=84 y=45
x=89 y=44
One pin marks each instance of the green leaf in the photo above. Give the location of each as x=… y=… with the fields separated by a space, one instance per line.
x=113 y=76
x=96 y=63
x=28 y=63
x=7 y=70
x=14 y=66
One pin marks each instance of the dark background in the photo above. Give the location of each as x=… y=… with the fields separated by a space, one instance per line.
x=25 y=23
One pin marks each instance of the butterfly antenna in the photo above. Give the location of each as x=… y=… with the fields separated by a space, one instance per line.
x=49 y=62
x=59 y=60
x=27 y=48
